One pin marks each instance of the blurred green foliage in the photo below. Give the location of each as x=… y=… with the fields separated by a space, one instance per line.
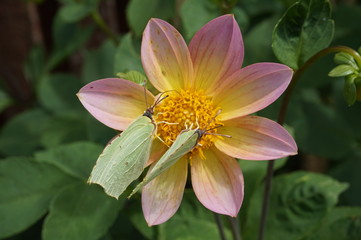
x=49 y=149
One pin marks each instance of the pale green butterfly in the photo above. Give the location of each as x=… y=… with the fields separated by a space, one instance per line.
x=124 y=158
x=185 y=142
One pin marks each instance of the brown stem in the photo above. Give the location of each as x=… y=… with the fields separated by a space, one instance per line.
x=220 y=226
x=235 y=228
x=36 y=32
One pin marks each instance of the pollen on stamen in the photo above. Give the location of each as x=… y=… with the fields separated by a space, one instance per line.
x=187 y=108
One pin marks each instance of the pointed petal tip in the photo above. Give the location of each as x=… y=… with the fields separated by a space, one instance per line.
x=217 y=52
x=154 y=222
x=292 y=145
x=256 y=138
x=162 y=196
x=233 y=214
x=226 y=16
x=155 y=19
x=114 y=102
x=228 y=212
x=218 y=182
x=295 y=150
x=151 y=20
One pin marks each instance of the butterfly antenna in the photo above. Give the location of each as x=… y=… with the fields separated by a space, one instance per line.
x=159 y=99
x=216 y=134
x=218 y=126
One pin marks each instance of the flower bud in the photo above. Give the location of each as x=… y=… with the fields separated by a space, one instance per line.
x=348 y=68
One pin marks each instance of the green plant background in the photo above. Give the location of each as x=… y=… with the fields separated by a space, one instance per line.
x=49 y=143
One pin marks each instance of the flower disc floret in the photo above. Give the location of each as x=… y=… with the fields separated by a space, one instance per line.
x=187 y=109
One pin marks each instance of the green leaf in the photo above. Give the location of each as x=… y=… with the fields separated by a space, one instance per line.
x=138 y=78
x=343 y=223
x=5 y=100
x=57 y=93
x=128 y=231
x=98 y=132
x=257 y=8
x=27 y=188
x=254 y=172
x=68 y=37
x=35 y=64
x=349 y=115
x=74 y=11
x=137 y=219
x=349 y=90
x=346 y=26
x=316 y=75
x=76 y=159
x=358 y=88
x=345 y=58
x=140 y=11
x=80 y=212
x=341 y=71
x=64 y=129
x=304 y=30
x=241 y=17
x=127 y=58
x=99 y=63
x=347 y=169
x=334 y=137
x=134 y=76
x=299 y=203
x=195 y=14
x=258 y=41
x=21 y=135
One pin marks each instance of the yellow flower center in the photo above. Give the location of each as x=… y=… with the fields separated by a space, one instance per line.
x=185 y=110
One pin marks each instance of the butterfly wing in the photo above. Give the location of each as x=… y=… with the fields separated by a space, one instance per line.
x=123 y=160
x=183 y=144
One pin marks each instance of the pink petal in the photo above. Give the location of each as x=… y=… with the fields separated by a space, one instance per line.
x=217 y=51
x=255 y=138
x=165 y=56
x=251 y=89
x=115 y=102
x=218 y=182
x=162 y=196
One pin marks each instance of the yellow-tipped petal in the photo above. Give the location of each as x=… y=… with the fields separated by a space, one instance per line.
x=165 y=57
x=217 y=181
x=216 y=51
x=255 y=138
x=251 y=89
x=115 y=102
x=162 y=196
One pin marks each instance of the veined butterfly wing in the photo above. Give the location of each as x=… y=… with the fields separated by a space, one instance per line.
x=184 y=143
x=124 y=158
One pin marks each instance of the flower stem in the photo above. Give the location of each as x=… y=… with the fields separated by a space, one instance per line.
x=266 y=197
x=220 y=226
x=104 y=27
x=235 y=227
x=281 y=120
